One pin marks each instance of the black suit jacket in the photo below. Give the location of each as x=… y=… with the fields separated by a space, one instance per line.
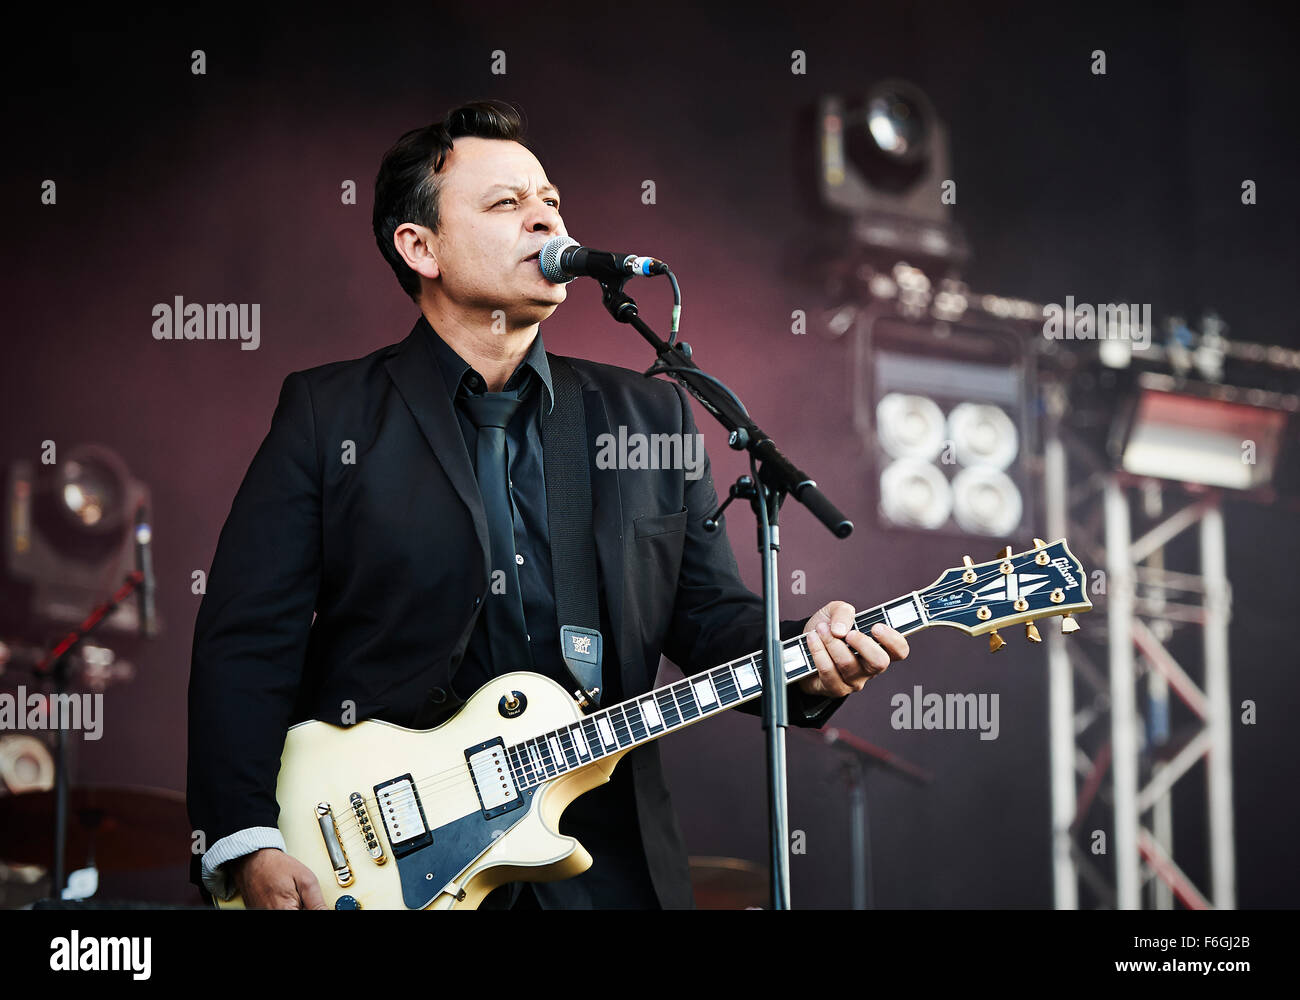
x=361 y=505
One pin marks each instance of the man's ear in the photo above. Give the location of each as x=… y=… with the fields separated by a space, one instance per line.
x=415 y=244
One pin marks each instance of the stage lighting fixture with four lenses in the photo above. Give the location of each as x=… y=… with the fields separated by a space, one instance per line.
x=944 y=409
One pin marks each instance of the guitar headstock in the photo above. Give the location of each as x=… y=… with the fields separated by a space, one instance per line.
x=1041 y=582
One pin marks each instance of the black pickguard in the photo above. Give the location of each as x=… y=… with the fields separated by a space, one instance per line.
x=426 y=871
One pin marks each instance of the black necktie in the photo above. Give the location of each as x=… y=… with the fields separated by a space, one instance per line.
x=503 y=612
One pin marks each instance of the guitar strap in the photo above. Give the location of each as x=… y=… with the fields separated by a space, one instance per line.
x=573 y=541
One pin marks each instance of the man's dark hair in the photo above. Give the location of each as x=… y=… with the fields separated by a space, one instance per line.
x=407 y=185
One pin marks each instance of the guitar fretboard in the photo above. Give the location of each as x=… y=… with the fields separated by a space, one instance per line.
x=674 y=706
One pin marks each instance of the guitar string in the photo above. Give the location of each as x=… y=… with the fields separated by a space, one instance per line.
x=459 y=774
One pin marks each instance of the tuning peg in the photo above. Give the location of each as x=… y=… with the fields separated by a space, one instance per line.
x=996 y=641
x=1005 y=553
x=968 y=575
x=1039 y=543
x=1031 y=632
x=1068 y=625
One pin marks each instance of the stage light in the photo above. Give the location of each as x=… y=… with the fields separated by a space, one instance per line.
x=983 y=435
x=882 y=158
x=70 y=541
x=915 y=494
x=1213 y=435
x=893 y=124
x=910 y=426
x=944 y=408
x=986 y=502
x=91 y=490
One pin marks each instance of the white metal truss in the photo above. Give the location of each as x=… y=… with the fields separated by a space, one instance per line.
x=1132 y=767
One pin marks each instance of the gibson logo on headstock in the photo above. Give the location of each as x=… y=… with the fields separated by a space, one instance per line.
x=1063 y=565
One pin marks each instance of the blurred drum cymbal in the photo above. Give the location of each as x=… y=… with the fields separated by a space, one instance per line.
x=729 y=884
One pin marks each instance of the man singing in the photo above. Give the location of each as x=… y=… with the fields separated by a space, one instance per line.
x=393 y=491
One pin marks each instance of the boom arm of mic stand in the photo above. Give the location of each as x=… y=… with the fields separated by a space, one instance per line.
x=779 y=478
x=776 y=471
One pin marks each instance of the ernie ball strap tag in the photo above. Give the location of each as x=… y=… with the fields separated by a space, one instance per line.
x=582 y=649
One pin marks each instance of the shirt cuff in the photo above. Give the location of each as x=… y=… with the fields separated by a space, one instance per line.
x=242 y=842
x=813 y=709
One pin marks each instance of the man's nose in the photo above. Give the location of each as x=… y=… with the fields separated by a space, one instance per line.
x=546 y=219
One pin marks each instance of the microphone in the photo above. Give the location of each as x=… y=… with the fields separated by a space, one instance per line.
x=562 y=259
x=144 y=563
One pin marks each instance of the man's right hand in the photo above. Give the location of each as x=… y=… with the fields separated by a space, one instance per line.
x=269 y=879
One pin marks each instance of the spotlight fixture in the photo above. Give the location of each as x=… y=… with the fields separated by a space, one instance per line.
x=883 y=160
x=69 y=540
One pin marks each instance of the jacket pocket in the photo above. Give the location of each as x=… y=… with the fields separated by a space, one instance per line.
x=648 y=525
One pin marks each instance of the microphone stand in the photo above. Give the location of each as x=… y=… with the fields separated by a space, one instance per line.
x=774 y=477
x=859 y=755
x=55 y=665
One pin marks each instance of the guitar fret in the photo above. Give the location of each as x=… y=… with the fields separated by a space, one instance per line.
x=557 y=752
x=621 y=726
x=591 y=732
x=690 y=710
x=726 y=685
x=795 y=659
x=668 y=708
x=580 y=740
x=615 y=723
x=747 y=675
x=705 y=696
x=649 y=711
x=636 y=721
x=539 y=748
x=512 y=755
x=570 y=752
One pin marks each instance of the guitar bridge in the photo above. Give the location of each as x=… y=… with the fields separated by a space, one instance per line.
x=329 y=831
x=373 y=847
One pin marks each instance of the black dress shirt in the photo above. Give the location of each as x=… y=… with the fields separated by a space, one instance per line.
x=603 y=819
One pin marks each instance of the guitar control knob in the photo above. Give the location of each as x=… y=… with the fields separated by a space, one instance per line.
x=996 y=641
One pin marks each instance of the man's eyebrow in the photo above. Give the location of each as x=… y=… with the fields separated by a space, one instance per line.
x=520 y=188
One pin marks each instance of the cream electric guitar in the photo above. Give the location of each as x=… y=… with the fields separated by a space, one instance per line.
x=393 y=818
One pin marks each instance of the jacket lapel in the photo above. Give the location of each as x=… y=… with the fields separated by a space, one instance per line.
x=414 y=371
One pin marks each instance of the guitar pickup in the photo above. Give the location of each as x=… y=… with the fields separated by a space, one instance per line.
x=490 y=769
x=403 y=815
